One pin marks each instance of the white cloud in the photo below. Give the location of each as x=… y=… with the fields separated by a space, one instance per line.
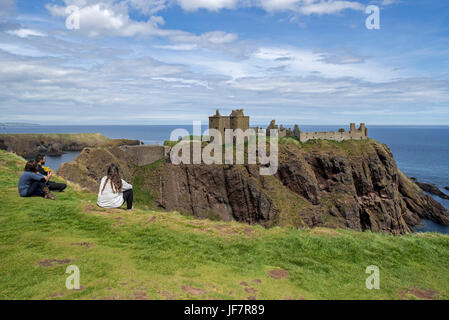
x=388 y=2
x=177 y=47
x=185 y=82
x=25 y=33
x=106 y=18
x=321 y=7
x=159 y=89
x=303 y=62
x=306 y=7
x=213 y=5
x=279 y=5
x=218 y=37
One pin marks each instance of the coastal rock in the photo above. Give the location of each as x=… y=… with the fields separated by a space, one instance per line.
x=432 y=189
x=30 y=145
x=354 y=185
x=91 y=165
x=446 y=188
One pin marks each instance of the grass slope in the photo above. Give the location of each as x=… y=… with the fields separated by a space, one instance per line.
x=86 y=138
x=158 y=255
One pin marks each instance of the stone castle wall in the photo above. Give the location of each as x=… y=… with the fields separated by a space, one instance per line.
x=332 y=135
x=340 y=135
x=146 y=154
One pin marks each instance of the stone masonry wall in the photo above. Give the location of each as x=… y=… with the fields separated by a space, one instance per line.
x=335 y=135
x=146 y=154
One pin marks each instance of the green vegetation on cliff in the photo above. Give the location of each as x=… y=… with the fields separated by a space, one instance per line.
x=157 y=255
x=28 y=145
x=81 y=138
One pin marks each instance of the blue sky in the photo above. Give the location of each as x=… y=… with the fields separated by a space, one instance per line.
x=174 y=61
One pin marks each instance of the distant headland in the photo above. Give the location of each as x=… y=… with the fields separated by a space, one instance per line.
x=18 y=124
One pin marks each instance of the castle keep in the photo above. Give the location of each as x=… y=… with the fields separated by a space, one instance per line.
x=237 y=120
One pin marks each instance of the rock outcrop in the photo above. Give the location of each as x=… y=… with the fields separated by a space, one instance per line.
x=432 y=189
x=30 y=145
x=91 y=165
x=352 y=184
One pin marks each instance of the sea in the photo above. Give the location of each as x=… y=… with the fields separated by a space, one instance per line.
x=420 y=151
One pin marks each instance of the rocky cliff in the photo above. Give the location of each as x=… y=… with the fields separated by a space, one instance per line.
x=30 y=145
x=351 y=184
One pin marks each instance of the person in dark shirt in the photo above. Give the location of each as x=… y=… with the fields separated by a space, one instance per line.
x=53 y=186
x=32 y=183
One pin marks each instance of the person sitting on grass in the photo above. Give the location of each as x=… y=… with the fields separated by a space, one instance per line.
x=32 y=183
x=114 y=191
x=53 y=186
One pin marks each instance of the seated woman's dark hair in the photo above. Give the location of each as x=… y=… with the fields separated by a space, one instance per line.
x=31 y=166
x=114 y=177
x=40 y=157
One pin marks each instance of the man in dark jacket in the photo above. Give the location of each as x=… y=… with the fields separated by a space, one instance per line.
x=32 y=183
x=53 y=186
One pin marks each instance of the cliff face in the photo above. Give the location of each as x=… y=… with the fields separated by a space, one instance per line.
x=353 y=184
x=30 y=145
x=90 y=166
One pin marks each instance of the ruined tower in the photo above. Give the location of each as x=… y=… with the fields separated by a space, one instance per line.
x=236 y=120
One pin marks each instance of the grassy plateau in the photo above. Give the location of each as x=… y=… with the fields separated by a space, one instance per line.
x=146 y=254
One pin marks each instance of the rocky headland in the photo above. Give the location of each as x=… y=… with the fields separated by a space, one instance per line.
x=30 y=145
x=350 y=184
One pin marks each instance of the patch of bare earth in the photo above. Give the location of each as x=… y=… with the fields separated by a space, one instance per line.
x=423 y=294
x=140 y=295
x=90 y=208
x=225 y=229
x=193 y=291
x=151 y=220
x=324 y=231
x=248 y=231
x=250 y=290
x=53 y=262
x=168 y=295
x=278 y=274
x=83 y=244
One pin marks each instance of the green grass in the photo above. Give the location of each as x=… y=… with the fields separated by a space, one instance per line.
x=162 y=255
x=88 y=138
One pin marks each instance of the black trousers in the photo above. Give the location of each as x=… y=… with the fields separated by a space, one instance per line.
x=54 y=186
x=128 y=196
x=35 y=189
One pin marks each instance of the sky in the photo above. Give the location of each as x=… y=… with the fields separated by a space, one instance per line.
x=175 y=61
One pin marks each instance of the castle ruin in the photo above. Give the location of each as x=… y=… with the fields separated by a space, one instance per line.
x=237 y=120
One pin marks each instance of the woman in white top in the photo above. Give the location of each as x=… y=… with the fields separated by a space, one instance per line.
x=114 y=191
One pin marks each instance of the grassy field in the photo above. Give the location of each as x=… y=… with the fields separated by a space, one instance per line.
x=157 y=255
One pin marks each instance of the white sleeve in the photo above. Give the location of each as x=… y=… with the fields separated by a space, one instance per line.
x=101 y=185
x=126 y=185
